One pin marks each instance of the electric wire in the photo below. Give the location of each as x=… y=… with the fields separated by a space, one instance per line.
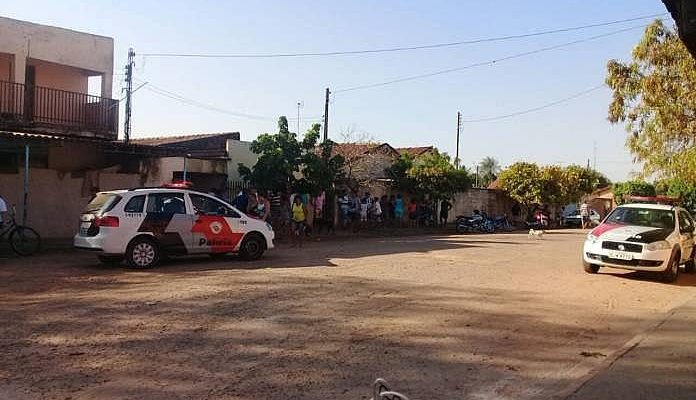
x=486 y=63
x=404 y=48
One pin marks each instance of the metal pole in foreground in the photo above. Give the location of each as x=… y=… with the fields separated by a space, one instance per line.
x=326 y=116
x=459 y=124
x=185 y=167
x=25 y=199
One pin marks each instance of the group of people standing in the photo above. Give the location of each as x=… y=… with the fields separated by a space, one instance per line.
x=394 y=209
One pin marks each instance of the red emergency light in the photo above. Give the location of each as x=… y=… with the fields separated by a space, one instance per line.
x=178 y=185
x=655 y=200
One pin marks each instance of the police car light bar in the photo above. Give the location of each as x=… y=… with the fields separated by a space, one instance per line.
x=178 y=185
x=655 y=200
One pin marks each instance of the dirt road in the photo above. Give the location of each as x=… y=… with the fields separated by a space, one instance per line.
x=469 y=317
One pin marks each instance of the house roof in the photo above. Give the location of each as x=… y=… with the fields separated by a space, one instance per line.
x=355 y=150
x=207 y=145
x=495 y=184
x=415 y=151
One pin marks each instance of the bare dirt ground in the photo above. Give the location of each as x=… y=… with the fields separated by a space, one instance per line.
x=467 y=317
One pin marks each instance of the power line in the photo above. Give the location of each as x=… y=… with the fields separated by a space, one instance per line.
x=405 y=48
x=486 y=63
x=174 y=96
x=539 y=108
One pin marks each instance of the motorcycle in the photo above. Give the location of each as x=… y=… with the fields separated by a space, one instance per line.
x=479 y=222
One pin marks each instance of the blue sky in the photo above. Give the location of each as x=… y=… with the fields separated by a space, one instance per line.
x=419 y=112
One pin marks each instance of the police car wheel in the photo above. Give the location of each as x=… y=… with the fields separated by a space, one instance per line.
x=672 y=271
x=590 y=268
x=252 y=247
x=142 y=253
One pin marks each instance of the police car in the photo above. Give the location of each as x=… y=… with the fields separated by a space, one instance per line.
x=145 y=224
x=643 y=237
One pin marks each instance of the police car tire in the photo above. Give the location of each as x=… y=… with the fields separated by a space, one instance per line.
x=590 y=268
x=672 y=271
x=252 y=247
x=134 y=253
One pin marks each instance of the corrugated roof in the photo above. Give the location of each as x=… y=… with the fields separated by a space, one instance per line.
x=414 y=151
x=165 y=140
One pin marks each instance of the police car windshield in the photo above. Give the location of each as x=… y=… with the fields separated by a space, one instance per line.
x=642 y=217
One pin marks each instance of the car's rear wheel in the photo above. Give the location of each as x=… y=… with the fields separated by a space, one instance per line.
x=590 y=268
x=672 y=271
x=110 y=260
x=252 y=247
x=142 y=253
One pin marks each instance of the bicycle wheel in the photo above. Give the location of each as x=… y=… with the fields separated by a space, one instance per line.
x=24 y=241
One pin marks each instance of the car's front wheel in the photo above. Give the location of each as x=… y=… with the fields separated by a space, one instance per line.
x=590 y=268
x=252 y=247
x=142 y=253
x=672 y=271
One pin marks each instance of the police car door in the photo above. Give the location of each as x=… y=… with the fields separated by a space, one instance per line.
x=216 y=227
x=167 y=219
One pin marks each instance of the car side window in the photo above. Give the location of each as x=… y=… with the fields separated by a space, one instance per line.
x=166 y=203
x=135 y=204
x=204 y=205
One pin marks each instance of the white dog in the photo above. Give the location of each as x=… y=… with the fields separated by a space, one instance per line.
x=535 y=234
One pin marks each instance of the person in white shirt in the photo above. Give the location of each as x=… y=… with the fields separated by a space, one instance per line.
x=3 y=210
x=585 y=214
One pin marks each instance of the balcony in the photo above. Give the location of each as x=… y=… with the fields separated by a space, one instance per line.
x=39 y=109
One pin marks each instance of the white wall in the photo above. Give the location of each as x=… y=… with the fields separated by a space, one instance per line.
x=92 y=53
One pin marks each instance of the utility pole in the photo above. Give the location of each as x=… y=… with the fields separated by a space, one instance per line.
x=594 y=155
x=129 y=92
x=477 y=175
x=459 y=124
x=326 y=116
x=300 y=104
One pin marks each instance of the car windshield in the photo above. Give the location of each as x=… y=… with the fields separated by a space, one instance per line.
x=642 y=217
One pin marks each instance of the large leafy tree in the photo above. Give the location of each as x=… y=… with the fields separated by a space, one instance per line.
x=522 y=181
x=655 y=96
x=623 y=190
x=431 y=175
x=286 y=163
x=489 y=168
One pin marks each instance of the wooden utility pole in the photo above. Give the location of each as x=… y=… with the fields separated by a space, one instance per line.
x=459 y=124
x=326 y=116
x=129 y=92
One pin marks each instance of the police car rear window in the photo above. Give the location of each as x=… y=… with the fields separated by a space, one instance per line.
x=102 y=202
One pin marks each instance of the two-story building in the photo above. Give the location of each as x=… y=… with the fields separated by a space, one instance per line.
x=56 y=80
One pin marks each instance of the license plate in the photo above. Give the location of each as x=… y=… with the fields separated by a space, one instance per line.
x=620 y=255
x=85 y=224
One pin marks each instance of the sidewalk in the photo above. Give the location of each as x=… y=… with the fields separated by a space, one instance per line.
x=660 y=364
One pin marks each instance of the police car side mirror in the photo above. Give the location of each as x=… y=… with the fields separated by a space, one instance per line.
x=687 y=229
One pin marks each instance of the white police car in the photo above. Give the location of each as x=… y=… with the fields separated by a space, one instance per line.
x=144 y=224
x=642 y=237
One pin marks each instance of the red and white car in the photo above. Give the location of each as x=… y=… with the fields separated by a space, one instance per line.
x=143 y=225
x=642 y=237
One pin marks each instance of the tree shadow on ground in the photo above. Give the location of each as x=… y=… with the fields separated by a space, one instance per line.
x=308 y=338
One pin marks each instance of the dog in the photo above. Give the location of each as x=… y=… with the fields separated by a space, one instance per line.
x=535 y=234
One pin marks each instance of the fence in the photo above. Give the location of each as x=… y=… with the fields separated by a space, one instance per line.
x=31 y=105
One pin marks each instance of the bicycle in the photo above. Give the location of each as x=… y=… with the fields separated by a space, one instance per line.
x=24 y=240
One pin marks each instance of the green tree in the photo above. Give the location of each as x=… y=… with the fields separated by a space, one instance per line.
x=282 y=159
x=431 y=175
x=623 y=190
x=676 y=187
x=522 y=181
x=655 y=96
x=489 y=168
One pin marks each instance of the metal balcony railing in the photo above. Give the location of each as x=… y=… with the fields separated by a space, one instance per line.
x=37 y=107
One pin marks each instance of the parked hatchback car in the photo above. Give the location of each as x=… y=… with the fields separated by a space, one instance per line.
x=143 y=225
x=642 y=237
